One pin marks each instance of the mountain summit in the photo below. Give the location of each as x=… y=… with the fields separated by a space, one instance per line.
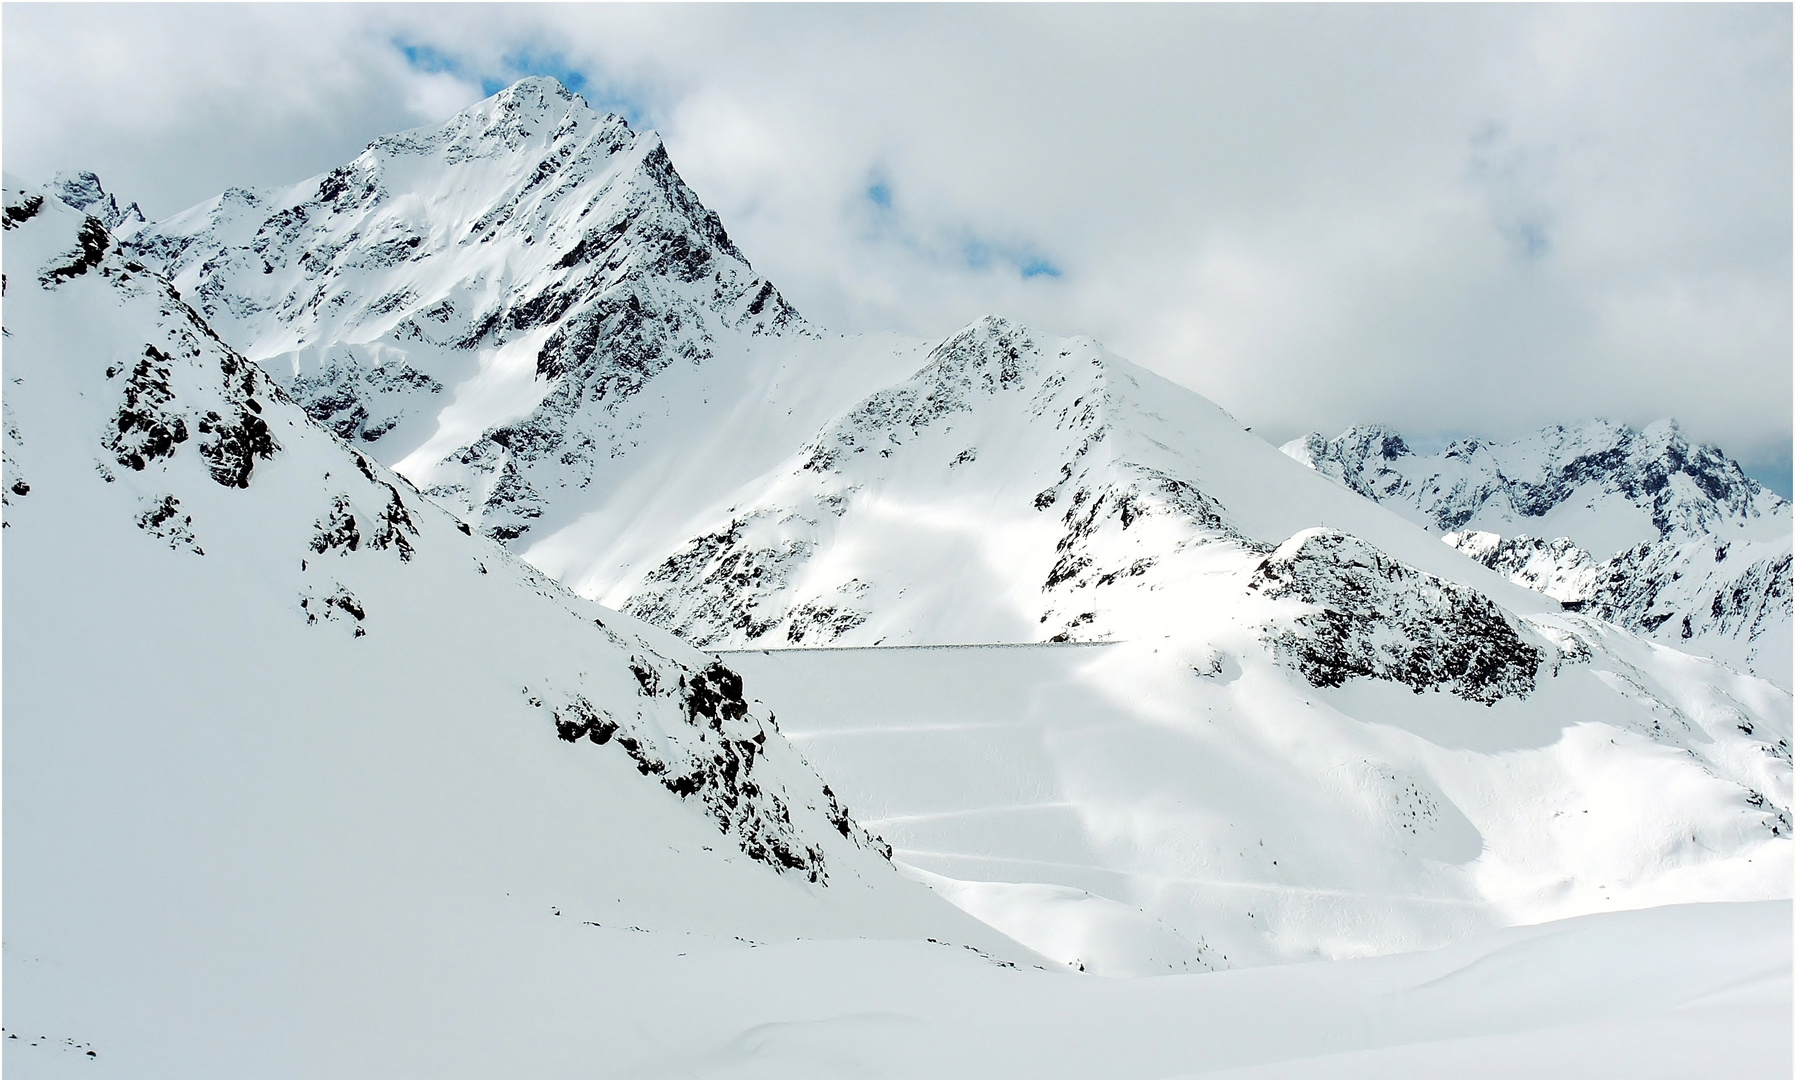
x=529 y=246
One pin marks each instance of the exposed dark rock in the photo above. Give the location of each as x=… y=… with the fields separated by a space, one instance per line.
x=146 y=427
x=90 y=246
x=1379 y=618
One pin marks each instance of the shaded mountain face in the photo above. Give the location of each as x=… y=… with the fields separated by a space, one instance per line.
x=1640 y=528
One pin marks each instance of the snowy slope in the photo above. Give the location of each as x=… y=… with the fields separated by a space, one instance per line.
x=1017 y=487
x=1638 y=527
x=1287 y=653
x=260 y=693
x=1172 y=805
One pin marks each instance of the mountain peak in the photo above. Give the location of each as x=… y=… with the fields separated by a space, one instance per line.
x=537 y=88
x=83 y=191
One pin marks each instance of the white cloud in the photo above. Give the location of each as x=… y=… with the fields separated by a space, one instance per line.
x=1454 y=218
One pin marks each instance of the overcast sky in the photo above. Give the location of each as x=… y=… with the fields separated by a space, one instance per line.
x=1454 y=219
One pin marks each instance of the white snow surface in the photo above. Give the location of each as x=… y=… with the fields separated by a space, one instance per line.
x=1159 y=807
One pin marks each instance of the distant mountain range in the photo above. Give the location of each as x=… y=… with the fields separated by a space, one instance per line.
x=1640 y=528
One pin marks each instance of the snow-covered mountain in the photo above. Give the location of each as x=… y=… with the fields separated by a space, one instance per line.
x=332 y=740
x=1017 y=487
x=1641 y=528
x=778 y=485
x=524 y=309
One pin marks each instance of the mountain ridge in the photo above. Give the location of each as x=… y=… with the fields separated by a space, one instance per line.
x=1638 y=527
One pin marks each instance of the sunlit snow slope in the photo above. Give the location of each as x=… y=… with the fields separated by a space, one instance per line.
x=1638 y=527
x=1161 y=806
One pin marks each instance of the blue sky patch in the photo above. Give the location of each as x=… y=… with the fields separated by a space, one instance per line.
x=1027 y=263
x=946 y=246
x=1777 y=474
x=426 y=59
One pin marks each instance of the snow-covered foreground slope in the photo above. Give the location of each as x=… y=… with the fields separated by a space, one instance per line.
x=1664 y=994
x=1637 y=527
x=260 y=694
x=1148 y=807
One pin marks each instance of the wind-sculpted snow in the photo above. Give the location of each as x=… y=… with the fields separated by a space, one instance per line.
x=529 y=240
x=1671 y=540
x=1377 y=618
x=124 y=407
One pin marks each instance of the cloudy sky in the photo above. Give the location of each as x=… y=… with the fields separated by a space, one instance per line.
x=1455 y=219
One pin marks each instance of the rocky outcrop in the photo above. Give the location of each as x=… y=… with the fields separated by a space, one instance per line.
x=1373 y=617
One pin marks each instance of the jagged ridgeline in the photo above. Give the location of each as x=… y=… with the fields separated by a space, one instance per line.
x=1642 y=528
x=128 y=421
x=530 y=243
x=527 y=312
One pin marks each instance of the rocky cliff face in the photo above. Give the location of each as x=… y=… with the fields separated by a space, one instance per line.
x=1616 y=483
x=82 y=191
